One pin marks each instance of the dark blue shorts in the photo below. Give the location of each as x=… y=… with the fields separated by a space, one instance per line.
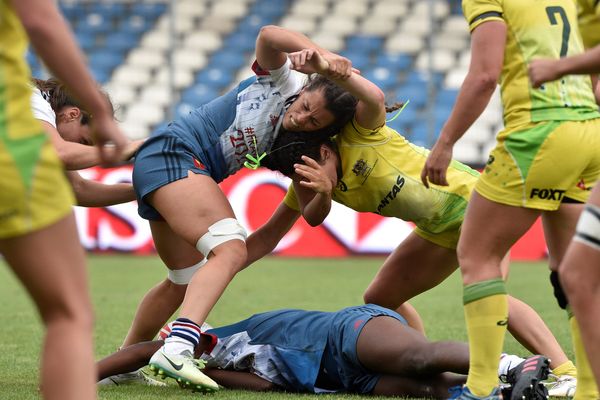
x=161 y=160
x=340 y=367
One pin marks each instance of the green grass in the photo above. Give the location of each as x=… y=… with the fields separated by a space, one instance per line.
x=119 y=282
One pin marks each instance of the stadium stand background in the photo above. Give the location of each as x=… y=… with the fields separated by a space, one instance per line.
x=158 y=59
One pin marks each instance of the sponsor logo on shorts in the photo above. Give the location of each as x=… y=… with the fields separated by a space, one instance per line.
x=391 y=195
x=547 y=194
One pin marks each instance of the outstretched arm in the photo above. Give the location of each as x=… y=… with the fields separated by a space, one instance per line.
x=545 y=70
x=128 y=359
x=262 y=241
x=240 y=380
x=90 y=193
x=487 y=57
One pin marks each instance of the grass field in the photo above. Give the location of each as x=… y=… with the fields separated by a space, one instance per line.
x=118 y=283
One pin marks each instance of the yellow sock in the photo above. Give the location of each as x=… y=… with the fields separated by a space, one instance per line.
x=566 y=368
x=586 y=384
x=486 y=314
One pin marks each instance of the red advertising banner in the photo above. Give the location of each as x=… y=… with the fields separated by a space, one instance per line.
x=254 y=195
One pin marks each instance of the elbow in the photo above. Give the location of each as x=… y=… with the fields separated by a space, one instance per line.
x=487 y=81
x=266 y=33
x=313 y=221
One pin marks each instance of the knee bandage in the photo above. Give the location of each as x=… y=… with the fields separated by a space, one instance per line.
x=561 y=298
x=184 y=276
x=588 y=227
x=220 y=232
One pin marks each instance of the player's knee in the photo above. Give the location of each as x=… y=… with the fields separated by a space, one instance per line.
x=559 y=293
x=76 y=313
x=225 y=238
x=231 y=255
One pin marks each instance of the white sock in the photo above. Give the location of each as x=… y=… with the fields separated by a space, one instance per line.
x=508 y=361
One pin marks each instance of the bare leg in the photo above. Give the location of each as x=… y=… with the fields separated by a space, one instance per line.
x=412 y=317
x=127 y=359
x=414 y=267
x=387 y=346
x=580 y=276
x=484 y=295
x=159 y=304
x=55 y=276
x=190 y=206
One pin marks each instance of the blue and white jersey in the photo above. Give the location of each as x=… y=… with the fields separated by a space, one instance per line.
x=288 y=347
x=243 y=121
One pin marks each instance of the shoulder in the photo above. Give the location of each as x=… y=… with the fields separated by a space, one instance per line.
x=41 y=107
x=479 y=11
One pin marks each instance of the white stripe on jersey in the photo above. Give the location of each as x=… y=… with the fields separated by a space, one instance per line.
x=236 y=353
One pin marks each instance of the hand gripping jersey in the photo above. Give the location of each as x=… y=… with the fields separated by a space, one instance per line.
x=537 y=29
x=381 y=173
x=243 y=121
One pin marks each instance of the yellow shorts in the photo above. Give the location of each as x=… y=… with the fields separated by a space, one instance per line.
x=447 y=239
x=538 y=165
x=34 y=191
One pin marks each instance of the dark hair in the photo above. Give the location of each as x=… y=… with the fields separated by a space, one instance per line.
x=289 y=147
x=58 y=96
x=338 y=101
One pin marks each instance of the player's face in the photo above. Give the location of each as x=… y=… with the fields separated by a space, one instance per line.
x=308 y=113
x=70 y=128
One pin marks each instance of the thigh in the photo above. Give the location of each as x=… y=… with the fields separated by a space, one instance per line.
x=191 y=205
x=559 y=228
x=386 y=343
x=414 y=267
x=173 y=250
x=488 y=232
x=51 y=264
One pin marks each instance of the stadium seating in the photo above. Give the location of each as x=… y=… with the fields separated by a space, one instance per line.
x=159 y=59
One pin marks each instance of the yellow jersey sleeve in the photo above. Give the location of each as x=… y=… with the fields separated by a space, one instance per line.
x=479 y=11
x=588 y=16
x=290 y=198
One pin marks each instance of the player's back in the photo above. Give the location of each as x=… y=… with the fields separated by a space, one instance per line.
x=536 y=29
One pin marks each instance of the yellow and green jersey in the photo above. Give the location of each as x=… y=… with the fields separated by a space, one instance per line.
x=589 y=22
x=381 y=173
x=16 y=117
x=34 y=192
x=537 y=29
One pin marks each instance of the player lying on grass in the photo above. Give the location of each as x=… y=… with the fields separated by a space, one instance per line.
x=67 y=124
x=369 y=167
x=364 y=349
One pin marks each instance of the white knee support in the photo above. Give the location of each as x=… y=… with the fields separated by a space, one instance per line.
x=588 y=227
x=221 y=232
x=184 y=276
